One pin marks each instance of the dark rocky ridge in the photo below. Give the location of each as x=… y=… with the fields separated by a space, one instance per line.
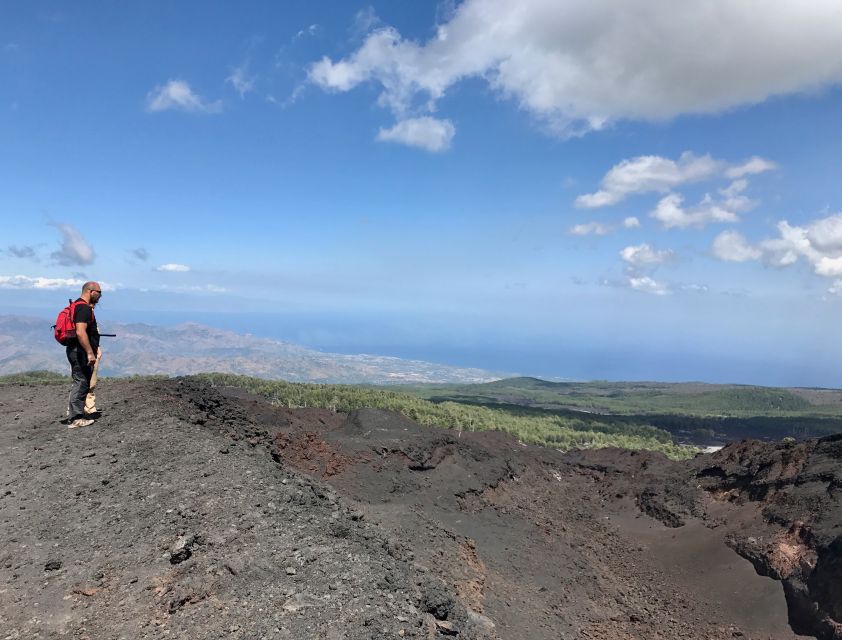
x=189 y=511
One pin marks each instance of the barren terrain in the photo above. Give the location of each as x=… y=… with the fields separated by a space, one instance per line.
x=190 y=511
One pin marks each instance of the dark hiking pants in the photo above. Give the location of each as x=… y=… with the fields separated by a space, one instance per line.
x=81 y=373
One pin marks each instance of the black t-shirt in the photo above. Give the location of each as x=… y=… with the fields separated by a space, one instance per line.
x=85 y=313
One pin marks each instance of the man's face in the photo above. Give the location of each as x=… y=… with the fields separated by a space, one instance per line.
x=96 y=294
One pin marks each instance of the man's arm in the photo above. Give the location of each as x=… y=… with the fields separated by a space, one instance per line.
x=82 y=336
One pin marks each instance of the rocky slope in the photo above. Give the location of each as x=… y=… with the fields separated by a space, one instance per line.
x=190 y=511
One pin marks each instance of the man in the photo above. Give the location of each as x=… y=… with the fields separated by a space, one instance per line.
x=90 y=399
x=82 y=353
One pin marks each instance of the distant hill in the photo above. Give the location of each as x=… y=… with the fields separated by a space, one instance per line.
x=27 y=344
x=635 y=398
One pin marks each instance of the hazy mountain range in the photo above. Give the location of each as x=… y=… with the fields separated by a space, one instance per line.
x=27 y=344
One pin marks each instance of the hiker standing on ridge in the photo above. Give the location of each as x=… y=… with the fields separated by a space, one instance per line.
x=82 y=352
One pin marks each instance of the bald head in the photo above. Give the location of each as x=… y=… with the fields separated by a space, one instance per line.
x=91 y=292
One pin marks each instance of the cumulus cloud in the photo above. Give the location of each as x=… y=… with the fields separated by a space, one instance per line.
x=21 y=252
x=826 y=234
x=646 y=174
x=731 y=246
x=631 y=222
x=178 y=95
x=648 y=285
x=819 y=243
x=595 y=228
x=649 y=173
x=28 y=282
x=644 y=256
x=672 y=215
x=642 y=261
x=581 y=64
x=75 y=250
x=173 y=267
x=427 y=133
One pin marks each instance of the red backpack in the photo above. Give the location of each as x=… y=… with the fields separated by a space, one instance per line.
x=65 y=328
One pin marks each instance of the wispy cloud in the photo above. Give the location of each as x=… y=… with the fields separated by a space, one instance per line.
x=75 y=250
x=178 y=95
x=173 y=267
x=590 y=228
x=241 y=81
x=365 y=21
x=312 y=30
x=140 y=253
x=582 y=64
x=38 y=282
x=631 y=222
x=426 y=133
x=21 y=252
x=750 y=167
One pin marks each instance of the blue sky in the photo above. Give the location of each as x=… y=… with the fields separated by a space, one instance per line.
x=574 y=189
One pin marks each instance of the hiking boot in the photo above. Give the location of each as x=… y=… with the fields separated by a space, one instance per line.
x=80 y=422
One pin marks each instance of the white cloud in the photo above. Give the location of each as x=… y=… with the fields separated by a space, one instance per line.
x=75 y=250
x=581 y=64
x=829 y=267
x=177 y=94
x=427 y=133
x=643 y=255
x=791 y=244
x=819 y=243
x=173 y=267
x=595 y=228
x=645 y=174
x=649 y=173
x=309 y=31
x=671 y=214
x=631 y=222
x=241 y=82
x=826 y=234
x=203 y=288
x=751 y=167
x=730 y=246
x=836 y=288
x=648 y=285
x=27 y=282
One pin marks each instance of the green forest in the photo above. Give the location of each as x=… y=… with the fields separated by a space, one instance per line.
x=548 y=429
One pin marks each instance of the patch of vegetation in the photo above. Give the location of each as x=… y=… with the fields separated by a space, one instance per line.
x=638 y=398
x=529 y=426
x=35 y=377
